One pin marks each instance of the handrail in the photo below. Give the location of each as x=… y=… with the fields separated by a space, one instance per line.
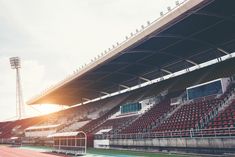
x=212 y=132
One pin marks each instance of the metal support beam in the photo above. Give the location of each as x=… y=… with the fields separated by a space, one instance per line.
x=167 y=71
x=203 y=13
x=86 y=99
x=139 y=51
x=104 y=93
x=223 y=51
x=190 y=61
x=124 y=86
x=144 y=79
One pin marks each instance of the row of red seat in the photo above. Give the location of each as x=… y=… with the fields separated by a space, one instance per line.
x=11 y=128
x=224 y=119
x=116 y=123
x=148 y=118
x=94 y=123
x=187 y=116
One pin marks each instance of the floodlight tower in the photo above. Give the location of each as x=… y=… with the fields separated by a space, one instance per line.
x=15 y=64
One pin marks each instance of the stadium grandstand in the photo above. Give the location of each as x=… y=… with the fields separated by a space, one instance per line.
x=168 y=87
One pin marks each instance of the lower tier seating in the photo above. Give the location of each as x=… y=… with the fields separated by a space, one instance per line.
x=116 y=122
x=11 y=128
x=224 y=119
x=148 y=118
x=89 y=126
x=187 y=116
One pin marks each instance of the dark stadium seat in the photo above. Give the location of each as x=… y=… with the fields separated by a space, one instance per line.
x=187 y=116
x=94 y=123
x=224 y=119
x=116 y=123
x=19 y=125
x=148 y=118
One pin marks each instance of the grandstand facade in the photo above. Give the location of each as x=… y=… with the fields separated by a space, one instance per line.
x=171 y=86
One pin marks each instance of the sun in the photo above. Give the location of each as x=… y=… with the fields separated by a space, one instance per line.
x=43 y=109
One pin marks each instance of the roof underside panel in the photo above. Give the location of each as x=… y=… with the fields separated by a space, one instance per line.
x=199 y=35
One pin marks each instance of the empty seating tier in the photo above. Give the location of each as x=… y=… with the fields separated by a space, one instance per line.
x=116 y=123
x=224 y=119
x=187 y=116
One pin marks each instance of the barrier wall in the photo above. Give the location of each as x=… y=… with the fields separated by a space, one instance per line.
x=205 y=142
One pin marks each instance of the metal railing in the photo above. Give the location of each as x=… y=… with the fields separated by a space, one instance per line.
x=213 y=132
x=227 y=99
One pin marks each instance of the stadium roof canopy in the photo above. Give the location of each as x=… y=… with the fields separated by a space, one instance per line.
x=193 y=33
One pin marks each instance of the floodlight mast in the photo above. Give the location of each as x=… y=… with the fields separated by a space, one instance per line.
x=16 y=65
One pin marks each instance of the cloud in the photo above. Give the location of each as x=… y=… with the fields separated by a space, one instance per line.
x=55 y=37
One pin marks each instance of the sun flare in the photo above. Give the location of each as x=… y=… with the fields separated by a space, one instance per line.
x=48 y=108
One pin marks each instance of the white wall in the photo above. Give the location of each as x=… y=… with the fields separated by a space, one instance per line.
x=101 y=143
x=225 y=82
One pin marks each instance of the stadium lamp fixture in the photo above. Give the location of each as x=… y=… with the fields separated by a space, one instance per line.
x=15 y=62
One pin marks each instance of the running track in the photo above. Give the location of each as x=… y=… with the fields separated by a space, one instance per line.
x=14 y=152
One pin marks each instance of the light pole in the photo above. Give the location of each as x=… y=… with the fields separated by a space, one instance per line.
x=15 y=64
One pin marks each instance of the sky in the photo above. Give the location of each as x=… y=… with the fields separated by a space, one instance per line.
x=55 y=37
